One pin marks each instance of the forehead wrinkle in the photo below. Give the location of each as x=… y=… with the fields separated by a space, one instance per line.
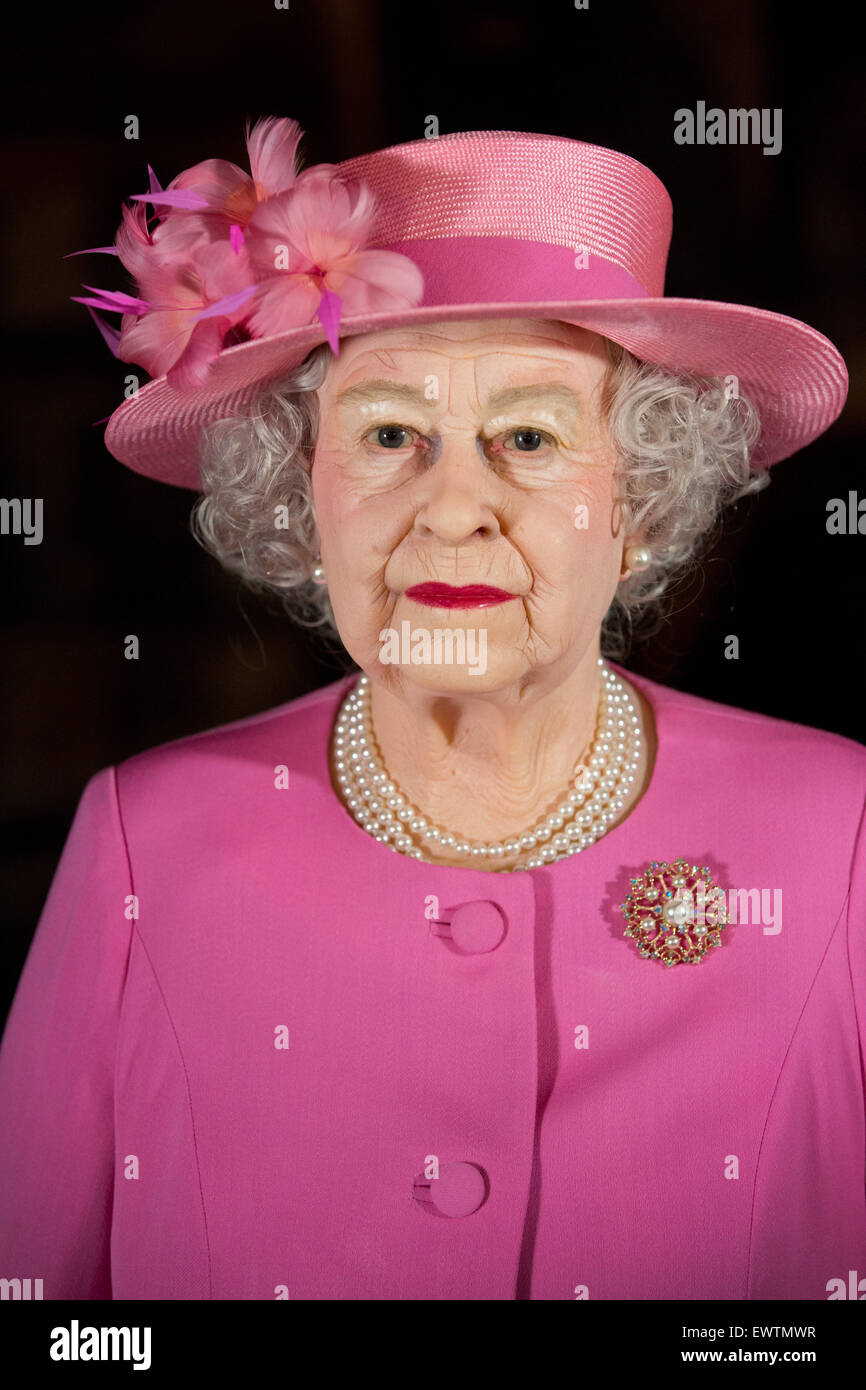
x=374 y=389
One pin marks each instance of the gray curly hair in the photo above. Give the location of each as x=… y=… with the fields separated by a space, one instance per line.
x=684 y=449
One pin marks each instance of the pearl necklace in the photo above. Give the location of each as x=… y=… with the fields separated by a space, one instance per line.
x=587 y=812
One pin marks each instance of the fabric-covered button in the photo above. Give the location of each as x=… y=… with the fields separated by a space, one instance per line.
x=459 y=1189
x=477 y=926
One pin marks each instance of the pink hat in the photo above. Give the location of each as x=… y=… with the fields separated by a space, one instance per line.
x=243 y=275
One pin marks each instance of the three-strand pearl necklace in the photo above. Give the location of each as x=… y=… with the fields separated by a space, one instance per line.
x=599 y=792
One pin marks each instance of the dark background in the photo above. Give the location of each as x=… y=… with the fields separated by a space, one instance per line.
x=780 y=232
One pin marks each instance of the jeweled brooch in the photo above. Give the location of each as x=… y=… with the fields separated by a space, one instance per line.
x=675 y=912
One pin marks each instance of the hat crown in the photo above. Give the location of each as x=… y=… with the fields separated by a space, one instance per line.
x=522 y=186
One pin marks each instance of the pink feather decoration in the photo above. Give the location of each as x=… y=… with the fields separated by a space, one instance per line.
x=113 y=300
x=172 y=339
x=328 y=314
x=319 y=229
x=173 y=198
x=92 y=251
x=230 y=254
x=109 y=333
x=272 y=146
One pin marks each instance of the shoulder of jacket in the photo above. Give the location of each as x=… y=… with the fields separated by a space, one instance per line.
x=765 y=737
x=286 y=729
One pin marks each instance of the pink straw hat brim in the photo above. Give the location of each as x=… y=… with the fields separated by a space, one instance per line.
x=794 y=376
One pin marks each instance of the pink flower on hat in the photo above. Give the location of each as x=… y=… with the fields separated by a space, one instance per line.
x=168 y=328
x=178 y=336
x=233 y=256
x=306 y=246
x=218 y=189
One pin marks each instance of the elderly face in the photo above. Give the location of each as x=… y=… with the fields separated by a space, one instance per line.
x=465 y=454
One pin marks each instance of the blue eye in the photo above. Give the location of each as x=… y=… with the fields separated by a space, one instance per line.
x=385 y=436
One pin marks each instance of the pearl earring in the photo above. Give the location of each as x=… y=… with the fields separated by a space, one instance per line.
x=637 y=558
x=319 y=572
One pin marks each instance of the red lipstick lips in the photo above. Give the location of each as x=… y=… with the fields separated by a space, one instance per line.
x=466 y=596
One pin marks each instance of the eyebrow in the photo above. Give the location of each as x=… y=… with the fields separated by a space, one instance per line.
x=556 y=393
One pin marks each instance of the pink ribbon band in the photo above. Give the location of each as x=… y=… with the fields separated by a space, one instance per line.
x=476 y=270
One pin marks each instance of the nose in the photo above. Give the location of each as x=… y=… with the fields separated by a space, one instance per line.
x=455 y=491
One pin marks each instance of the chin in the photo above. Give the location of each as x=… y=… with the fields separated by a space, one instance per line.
x=492 y=672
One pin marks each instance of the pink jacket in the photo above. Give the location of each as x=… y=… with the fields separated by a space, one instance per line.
x=246 y=1091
